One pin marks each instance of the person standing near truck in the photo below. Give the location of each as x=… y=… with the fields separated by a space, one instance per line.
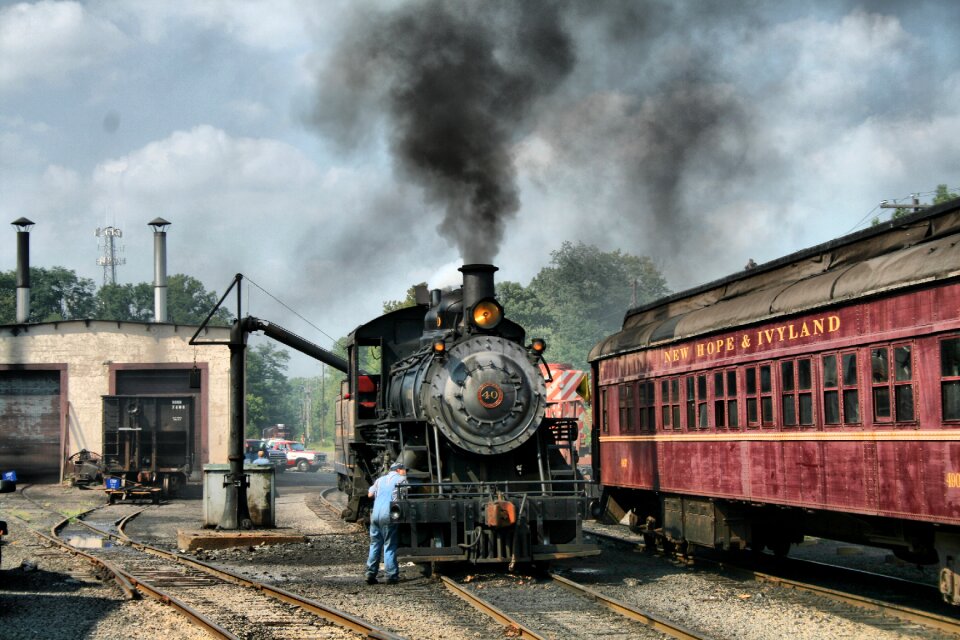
x=383 y=532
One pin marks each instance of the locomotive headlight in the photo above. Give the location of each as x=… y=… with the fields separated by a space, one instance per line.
x=439 y=347
x=487 y=314
x=538 y=346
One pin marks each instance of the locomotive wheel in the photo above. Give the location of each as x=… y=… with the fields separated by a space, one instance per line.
x=426 y=569
x=166 y=490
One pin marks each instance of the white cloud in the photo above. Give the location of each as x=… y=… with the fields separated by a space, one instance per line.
x=208 y=161
x=47 y=41
x=264 y=24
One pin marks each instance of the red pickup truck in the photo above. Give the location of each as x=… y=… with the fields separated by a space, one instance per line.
x=298 y=456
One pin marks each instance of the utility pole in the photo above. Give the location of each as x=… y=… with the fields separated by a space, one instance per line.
x=916 y=206
x=308 y=413
x=323 y=401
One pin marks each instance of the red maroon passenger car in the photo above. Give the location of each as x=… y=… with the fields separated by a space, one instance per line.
x=818 y=394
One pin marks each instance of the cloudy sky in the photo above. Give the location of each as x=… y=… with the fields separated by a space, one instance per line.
x=337 y=152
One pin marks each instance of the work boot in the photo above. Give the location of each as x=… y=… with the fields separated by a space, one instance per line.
x=371 y=579
x=393 y=580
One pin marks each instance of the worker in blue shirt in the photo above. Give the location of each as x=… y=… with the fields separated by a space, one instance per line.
x=383 y=532
x=262 y=458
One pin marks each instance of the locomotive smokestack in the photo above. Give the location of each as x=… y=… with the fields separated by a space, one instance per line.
x=23 y=268
x=477 y=283
x=159 y=269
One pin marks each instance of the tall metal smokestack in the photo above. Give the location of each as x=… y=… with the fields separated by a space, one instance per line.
x=477 y=283
x=23 y=268
x=159 y=268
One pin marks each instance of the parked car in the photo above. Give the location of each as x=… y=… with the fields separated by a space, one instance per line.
x=276 y=456
x=298 y=456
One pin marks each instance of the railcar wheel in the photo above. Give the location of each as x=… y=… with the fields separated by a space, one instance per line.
x=649 y=542
x=780 y=548
x=925 y=556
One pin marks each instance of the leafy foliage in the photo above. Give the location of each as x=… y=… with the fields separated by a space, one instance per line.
x=580 y=298
x=270 y=397
x=59 y=294
x=55 y=294
x=318 y=395
x=125 y=302
x=941 y=195
x=189 y=303
x=409 y=301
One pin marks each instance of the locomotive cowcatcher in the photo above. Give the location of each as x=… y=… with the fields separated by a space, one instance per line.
x=450 y=388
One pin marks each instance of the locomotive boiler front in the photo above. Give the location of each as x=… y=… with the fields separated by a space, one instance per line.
x=480 y=389
x=483 y=395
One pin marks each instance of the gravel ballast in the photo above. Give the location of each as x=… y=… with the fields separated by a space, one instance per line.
x=41 y=584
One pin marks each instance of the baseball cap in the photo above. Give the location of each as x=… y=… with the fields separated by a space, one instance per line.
x=397 y=466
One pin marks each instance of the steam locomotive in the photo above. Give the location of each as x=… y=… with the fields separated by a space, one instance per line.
x=451 y=388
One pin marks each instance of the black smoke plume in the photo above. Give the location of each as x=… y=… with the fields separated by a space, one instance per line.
x=457 y=83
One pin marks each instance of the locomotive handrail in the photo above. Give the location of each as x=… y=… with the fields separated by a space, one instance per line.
x=506 y=488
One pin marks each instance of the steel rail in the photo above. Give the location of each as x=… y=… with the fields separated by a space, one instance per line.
x=908 y=614
x=132 y=585
x=129 y=584
x=654 y=622
x=128 y=587
x=514 y=627
x=331 y=614
x=195 y=616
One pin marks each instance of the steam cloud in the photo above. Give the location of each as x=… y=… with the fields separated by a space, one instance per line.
x=667 y=124
x=458 y=81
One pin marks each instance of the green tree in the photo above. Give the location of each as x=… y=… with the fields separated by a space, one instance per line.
x=318 y=395
x=574 y=302
x=55 y=294
x=943 y=194
x=582 y=296
x=270 y=397
x=125 y=302
x=409 y=301
x=188 y=302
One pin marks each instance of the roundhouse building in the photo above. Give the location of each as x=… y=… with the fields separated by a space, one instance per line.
x=137 y=394
x=62 y=385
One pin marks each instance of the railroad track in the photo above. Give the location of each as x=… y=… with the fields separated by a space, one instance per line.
x=225 y=604
x=556 y=607
x=832 y=583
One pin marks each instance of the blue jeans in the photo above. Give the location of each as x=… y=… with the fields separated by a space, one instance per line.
x=383 y=537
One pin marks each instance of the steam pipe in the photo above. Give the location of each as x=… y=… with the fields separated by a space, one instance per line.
x=294 y=341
